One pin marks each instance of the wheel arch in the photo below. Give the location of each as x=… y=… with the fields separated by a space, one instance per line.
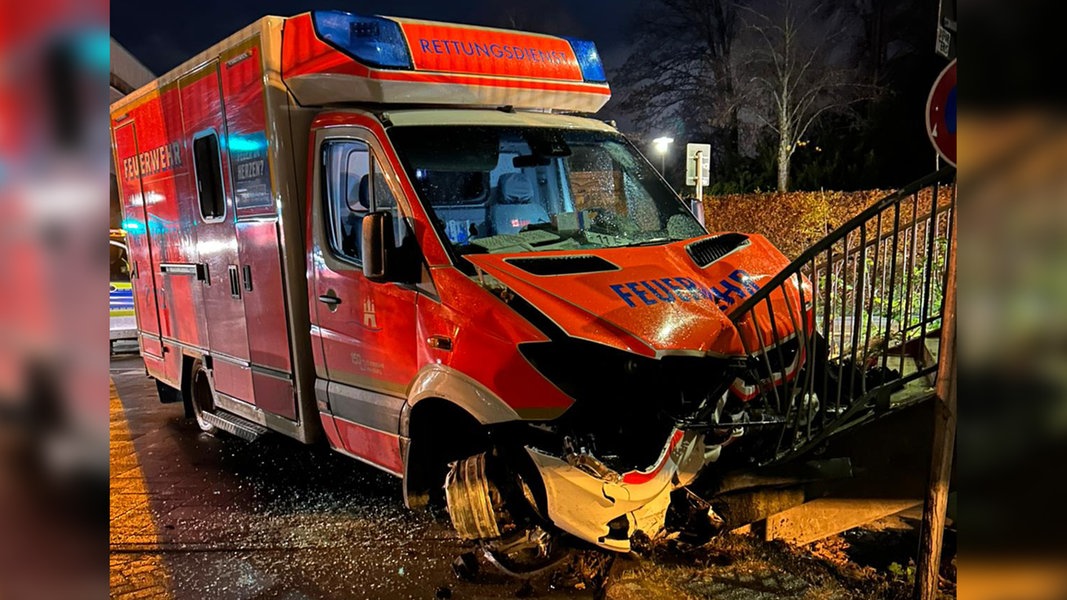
x=441 y=382
x=446 y=417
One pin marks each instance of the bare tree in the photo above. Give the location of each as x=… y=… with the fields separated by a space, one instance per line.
x=794 y=64
x=678 y=72
x=545 y=16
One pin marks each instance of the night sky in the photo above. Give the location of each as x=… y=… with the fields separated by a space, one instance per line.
x=163 y=34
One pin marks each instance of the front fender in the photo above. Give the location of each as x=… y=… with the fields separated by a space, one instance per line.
x=447 y=383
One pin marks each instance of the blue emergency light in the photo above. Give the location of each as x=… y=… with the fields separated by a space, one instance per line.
x=373 y=41
x=588 y=60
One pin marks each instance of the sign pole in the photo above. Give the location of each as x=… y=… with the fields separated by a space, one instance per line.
x=700 y=177
x=700 y=187
x=931 y=535
x=695 y=156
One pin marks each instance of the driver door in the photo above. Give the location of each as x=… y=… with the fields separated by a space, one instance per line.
x=364 y=331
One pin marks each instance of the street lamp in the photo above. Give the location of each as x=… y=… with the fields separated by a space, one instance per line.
x=662 y=144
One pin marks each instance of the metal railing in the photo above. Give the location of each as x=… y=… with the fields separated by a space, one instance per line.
x=866 y=323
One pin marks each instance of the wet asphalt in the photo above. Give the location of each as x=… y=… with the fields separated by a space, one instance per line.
x=199 y=516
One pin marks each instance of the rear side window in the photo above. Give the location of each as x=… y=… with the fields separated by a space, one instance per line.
x=208 y=176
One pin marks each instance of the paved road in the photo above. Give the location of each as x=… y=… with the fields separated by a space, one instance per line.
x=197 y=516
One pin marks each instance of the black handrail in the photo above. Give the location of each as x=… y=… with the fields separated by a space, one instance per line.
x=880 y=295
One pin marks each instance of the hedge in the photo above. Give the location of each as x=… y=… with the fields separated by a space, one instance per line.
x=794 y=221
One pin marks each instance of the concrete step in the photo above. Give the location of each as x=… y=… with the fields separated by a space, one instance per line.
x=821 y=518
x=915 y=390
x=230 y=423
x=931 y=345
x=905 y=365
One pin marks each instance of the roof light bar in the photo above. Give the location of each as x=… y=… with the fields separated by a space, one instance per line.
x=373 y=41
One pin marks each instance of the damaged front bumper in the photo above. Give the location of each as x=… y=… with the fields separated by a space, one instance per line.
x=594 y=503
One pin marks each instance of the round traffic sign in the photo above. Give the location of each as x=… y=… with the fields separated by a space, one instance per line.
x=941 y=114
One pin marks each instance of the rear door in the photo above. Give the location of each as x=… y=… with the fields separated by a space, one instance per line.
x=205 y=125
x=366 y=329
x=142 y=265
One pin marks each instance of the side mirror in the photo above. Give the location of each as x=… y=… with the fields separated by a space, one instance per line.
x=377 y=245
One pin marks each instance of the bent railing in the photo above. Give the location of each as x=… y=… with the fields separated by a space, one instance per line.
x=873 y=309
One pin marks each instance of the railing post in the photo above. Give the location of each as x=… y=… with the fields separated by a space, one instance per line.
x=944 y=440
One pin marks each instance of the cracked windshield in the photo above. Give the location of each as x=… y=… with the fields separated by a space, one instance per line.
x=506 y=190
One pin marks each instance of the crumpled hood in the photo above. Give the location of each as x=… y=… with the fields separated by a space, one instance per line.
x=651 y=300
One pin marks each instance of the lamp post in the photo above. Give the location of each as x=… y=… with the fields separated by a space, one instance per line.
x=662 y=145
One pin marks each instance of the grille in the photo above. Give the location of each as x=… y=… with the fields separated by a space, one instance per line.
x=710 y=250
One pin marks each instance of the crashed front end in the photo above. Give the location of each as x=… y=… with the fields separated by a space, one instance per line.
x=638 y=431
x=647 y=418
x=573 y=489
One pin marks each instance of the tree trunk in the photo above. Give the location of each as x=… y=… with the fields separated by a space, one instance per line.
x=784 y=155
x=785 y=138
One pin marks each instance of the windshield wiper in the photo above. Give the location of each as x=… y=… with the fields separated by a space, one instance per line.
x=649 y=242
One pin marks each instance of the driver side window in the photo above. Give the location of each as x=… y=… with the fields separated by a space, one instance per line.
x=354 y=186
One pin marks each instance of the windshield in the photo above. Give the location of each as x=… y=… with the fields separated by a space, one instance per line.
x=507 y=189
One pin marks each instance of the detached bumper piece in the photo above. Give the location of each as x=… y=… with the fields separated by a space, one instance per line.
x=517 y=520
x=607 y=508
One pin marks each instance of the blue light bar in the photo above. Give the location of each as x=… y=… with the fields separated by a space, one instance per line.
x=247 y=143
x=588 y=60
x=373 y=41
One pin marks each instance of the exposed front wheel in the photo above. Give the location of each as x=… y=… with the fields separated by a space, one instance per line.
x=495 y=507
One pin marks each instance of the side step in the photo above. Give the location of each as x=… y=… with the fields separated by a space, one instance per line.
x=230 y=423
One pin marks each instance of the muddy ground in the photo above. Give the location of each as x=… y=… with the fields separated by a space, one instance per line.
x=875 y=561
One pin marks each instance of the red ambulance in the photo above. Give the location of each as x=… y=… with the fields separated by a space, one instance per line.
x=404 y=236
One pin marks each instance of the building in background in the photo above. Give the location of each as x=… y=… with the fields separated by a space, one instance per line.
x=127 y=74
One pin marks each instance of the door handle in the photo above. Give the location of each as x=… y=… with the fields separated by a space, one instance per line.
x=235 y=284
x=329 y=299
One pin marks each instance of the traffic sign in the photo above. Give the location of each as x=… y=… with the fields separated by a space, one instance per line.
x=941 y=114
x=691 y=163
